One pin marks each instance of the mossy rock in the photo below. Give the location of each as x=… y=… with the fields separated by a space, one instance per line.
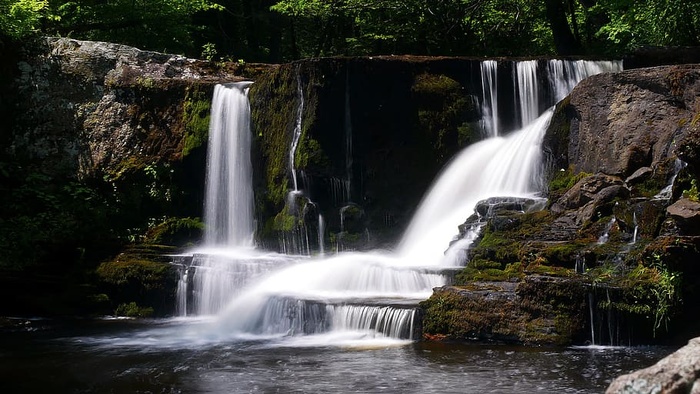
x=141 y=274
x=132 y=309
x=176 y=232
x=196 y=110
x=503 y=312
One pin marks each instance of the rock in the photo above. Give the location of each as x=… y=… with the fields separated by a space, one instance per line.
x=600 y=188
x=496 y=206
x=640 y=175
x=679 y=373
x=686 y=214
x=512 y=312
x=617 y=123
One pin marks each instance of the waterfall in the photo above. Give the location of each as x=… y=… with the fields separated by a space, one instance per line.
x=528 y=91
x=347 y=128
x=564 y=75
x=297 y=132
x=375 y=294
x=228 y=211
x=500 y=166
x=606 y=232
x=489 y=92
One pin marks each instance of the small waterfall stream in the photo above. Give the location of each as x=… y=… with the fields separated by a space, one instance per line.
x=371 y=295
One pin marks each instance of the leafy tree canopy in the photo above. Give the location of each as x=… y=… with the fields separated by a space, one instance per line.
x=283 y=30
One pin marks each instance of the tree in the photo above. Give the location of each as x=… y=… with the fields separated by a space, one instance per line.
x=19 y=18
x=161 y=25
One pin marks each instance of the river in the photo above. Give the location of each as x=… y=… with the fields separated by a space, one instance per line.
x=159 y=356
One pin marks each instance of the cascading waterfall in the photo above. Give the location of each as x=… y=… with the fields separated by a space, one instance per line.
x=228 y=214
x=375 y=294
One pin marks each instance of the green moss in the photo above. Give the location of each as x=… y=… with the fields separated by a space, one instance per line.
x=309 y=153
x=444 y=111
x=565 y=180
x=561 y=254
x=176 y=231
x=467 y=134
x=132 y=309
x=145 y=82
x=274 y=103
x=196 y=115
x=434 y=85
x=284 y=221
x=133 y=270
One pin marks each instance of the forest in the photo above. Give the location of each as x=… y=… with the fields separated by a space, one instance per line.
x=279 y=31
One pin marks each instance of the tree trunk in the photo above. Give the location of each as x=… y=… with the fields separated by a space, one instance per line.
x=564 y=40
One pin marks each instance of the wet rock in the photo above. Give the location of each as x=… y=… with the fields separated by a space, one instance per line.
x=599 y=188
x=679 y=373
x=686 y=214
x=496 y=206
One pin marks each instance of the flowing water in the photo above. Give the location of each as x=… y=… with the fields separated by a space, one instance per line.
x=374 y=295
x=257 y=321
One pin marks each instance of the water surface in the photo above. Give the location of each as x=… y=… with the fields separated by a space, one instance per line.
x=160 y=356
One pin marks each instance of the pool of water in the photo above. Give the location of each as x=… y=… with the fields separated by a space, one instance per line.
x=178 y=356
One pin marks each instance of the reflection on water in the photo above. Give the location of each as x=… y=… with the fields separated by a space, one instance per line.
x=149 y=357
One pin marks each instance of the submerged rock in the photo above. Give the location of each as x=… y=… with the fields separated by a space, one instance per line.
x=679 y=373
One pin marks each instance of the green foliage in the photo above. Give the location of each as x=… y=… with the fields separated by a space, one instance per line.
x=19 y=18
x=633 y=24
x=163 y=25
x=41 y=214
x=648 y=289
x=692 y=193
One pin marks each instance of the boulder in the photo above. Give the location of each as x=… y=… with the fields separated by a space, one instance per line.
x=686 y=214
x=679 y=373
x=617 y=123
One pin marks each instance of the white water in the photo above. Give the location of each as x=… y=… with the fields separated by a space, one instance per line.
x=297 y=132
x=528 y=90
x=564 y=75
x=371 y=295
x=501 y=166
x=606 y=232
x=229 y=221
x=489 y=94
